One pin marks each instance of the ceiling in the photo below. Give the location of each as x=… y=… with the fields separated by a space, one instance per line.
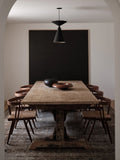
x=74 y=11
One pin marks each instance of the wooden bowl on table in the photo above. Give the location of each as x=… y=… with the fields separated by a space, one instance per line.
x=62 y=86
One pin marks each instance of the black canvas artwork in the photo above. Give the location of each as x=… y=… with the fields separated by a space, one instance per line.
x=67 y=61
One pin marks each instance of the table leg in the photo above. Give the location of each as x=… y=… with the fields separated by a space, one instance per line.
x=60 y=133
x=59 y=125
x=54 y=115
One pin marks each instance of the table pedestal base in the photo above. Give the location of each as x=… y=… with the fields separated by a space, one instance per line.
x=60 y=138
x=59 y=144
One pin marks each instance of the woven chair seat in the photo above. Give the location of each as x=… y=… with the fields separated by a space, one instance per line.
x=23 y=115
x=95 y=115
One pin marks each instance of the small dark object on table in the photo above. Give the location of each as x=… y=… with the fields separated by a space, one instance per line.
x=50 y=81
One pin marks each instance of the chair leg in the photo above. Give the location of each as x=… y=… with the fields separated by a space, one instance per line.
x=31 y=126
x=16 y=124
x=81 y=121
x=27 y=130
x=91 y=130
x=104 y=127
x=86 y=126
x=11 y=131
x=85 y=122
x=36 y=119
x=108 y=130
x=37 y=115
x=34 y=123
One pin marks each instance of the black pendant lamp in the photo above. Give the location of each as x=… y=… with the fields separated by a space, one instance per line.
x=58 y=36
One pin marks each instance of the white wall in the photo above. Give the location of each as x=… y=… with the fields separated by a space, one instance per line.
x=5 y=6
x=115 y=9
x=101 y=54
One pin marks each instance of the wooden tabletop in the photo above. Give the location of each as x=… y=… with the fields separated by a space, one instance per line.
x=44 y=95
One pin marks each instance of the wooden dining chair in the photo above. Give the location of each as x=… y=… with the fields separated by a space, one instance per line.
x=11 y=108
x=26 y=87
x=100 y=112
x=98 y=94
x=18 y=114
x=21 y=93
x=93 y=88
x=95 y=91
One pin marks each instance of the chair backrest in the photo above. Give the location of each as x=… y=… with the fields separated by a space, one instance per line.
x=106 y=102
x=21 y=93
x=98 y=94
x=93 y=88
x=13 y=102
x=26 y=87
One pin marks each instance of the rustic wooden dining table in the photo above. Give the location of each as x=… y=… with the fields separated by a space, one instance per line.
x=59 y=102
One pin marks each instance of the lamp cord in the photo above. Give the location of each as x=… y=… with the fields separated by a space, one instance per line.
x=59 y=14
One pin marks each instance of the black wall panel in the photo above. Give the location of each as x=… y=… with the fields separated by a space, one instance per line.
x=67 y=61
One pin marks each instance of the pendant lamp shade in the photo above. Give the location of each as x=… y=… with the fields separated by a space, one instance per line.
x=59 y=23
x=58 y=36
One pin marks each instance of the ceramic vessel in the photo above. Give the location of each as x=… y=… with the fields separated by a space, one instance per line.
x=62 y=85
x=50 y=81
